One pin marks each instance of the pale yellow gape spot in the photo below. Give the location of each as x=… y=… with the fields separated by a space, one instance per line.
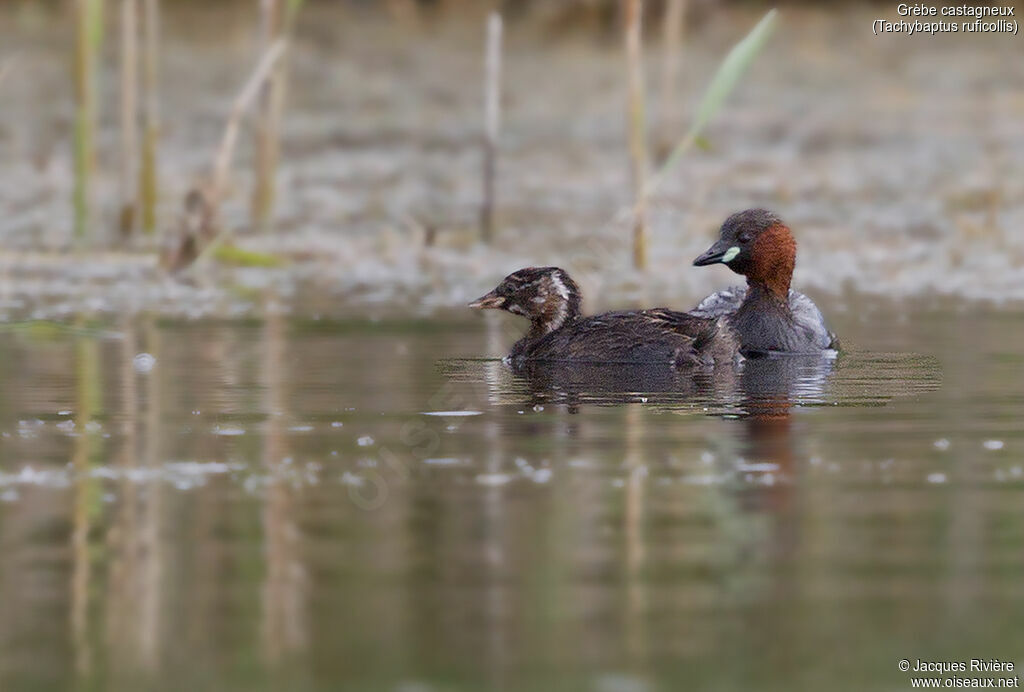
x=730 y=254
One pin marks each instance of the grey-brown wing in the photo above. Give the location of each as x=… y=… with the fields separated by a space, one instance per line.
x=722 y=303
x=646 y=336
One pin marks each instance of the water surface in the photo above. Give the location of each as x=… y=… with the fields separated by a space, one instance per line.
x=356 y=505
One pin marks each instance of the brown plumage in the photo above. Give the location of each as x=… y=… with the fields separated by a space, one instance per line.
x=551 y=300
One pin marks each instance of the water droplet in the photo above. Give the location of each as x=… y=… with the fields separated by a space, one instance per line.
x=541 y=475
x=143 y=363
x=228 y=431
x=493 y=479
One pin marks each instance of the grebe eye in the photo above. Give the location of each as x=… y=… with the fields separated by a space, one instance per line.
x=744 y=237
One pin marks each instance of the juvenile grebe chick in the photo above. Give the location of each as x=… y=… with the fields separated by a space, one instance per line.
x=551 y=301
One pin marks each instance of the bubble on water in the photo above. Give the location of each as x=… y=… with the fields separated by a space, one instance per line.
x=701 y=479
x=46 y=478
x=941 y=444
x=761 y=467
x=538 y=407
x=936 y=478
x=992 y=445
x=337 y=424
x=493 y=479
x=707 y=457
x=64 y=412
x=227 y=431
x=364 y=441
x=66 y=426
x=300 y=428
x=252 y=484
x=349 y=478
x=541 y=476
x=443 y=461
x=9 y=495
x=456 y=414
x=93 y=426
x=143 y=363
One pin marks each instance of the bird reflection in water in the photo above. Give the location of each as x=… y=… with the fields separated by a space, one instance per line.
x=770 y=388
x=761 y=388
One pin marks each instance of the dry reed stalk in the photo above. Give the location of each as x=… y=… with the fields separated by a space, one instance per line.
x=200 y=232
x=148 y=183
x=222 y=162
x=88 y=36
x=672 y=34
x=277 y=23
x=264 y=149
x=632 y=14
x=492 y=122
x=129 y=113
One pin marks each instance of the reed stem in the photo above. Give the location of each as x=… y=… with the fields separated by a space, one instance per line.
x=492 y=122
x=148 y=176
x=672 y=34
x=88 y=37
x=129 y=113
x=225 y=153
x=277 y=22
x=636 y=124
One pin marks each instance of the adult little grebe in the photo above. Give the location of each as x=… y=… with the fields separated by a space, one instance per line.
x=558 y=332
x=767 y=316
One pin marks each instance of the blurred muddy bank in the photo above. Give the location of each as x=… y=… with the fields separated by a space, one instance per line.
x=897 y=161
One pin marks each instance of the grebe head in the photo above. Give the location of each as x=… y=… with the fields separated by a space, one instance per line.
x=757 y=244
x=546 y=296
